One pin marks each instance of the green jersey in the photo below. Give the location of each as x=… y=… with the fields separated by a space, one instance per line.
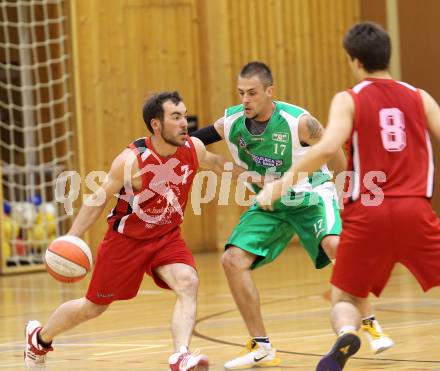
x=275 y=149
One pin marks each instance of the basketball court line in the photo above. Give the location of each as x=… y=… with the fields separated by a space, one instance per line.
x=281 y=298
x=64 y=339
x=127 y=350
x=226 y=342
x=68 y=290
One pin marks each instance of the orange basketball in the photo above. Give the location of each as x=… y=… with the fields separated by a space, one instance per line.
x=68 y=259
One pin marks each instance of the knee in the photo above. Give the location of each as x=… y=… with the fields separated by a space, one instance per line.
x=330 y=245
x=233 y=260
x=187 y=283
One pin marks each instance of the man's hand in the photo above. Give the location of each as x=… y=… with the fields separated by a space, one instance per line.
x=269 y=194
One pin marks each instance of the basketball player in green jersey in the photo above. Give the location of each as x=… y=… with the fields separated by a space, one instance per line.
x=266 y=136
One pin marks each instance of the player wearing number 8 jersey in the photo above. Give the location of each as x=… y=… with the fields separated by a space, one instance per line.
x=390 y=135
x=388 y=124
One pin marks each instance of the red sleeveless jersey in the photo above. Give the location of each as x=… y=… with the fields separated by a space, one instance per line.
x=390 y=145
x=158 y=206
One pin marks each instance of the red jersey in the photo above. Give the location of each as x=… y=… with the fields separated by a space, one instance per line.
x=390 y=145
x=158 y=206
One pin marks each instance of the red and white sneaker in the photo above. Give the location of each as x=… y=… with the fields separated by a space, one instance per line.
x=34 y=353
x=185 y=361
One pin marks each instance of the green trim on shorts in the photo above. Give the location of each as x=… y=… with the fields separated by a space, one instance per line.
x=267 y=233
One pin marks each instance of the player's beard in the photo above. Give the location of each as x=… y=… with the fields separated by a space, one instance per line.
x=172 y=140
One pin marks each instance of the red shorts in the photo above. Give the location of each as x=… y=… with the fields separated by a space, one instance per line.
x=374 y=238
x=122 y=262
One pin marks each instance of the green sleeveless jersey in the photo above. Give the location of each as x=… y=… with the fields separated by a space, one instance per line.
x=274 y=150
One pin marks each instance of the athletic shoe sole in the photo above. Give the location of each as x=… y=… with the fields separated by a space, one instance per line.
x=345 y=346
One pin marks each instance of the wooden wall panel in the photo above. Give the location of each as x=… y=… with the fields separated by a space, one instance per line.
x=420 y=58
x=374 y=10
x=300 y=40
x=130 y=48
x=103 y=111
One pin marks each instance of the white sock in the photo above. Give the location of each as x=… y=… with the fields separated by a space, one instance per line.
x=264 y=342
x=345 y=329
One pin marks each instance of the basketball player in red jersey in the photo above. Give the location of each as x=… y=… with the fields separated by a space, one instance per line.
x=388 y=218
x=152 y=178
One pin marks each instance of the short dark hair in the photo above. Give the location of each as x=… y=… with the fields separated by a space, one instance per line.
x=371 y=44
x=153 y=107
x=258 y=69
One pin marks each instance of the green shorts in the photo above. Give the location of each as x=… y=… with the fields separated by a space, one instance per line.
x=267 y=233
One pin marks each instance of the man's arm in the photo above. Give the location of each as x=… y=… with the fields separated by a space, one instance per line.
x=432 y=111
x=212 y=161
x=310 y=131
x=337 y=132
x=209 y=160
x=111 y=186
x=211 y=133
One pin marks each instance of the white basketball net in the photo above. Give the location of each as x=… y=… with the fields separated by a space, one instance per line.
x=35 y=121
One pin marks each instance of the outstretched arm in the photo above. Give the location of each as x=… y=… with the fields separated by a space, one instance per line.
x=209 y=160
x=337 y=132
x=211 y=133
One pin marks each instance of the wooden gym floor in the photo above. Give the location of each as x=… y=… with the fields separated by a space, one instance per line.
x=135 y=335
